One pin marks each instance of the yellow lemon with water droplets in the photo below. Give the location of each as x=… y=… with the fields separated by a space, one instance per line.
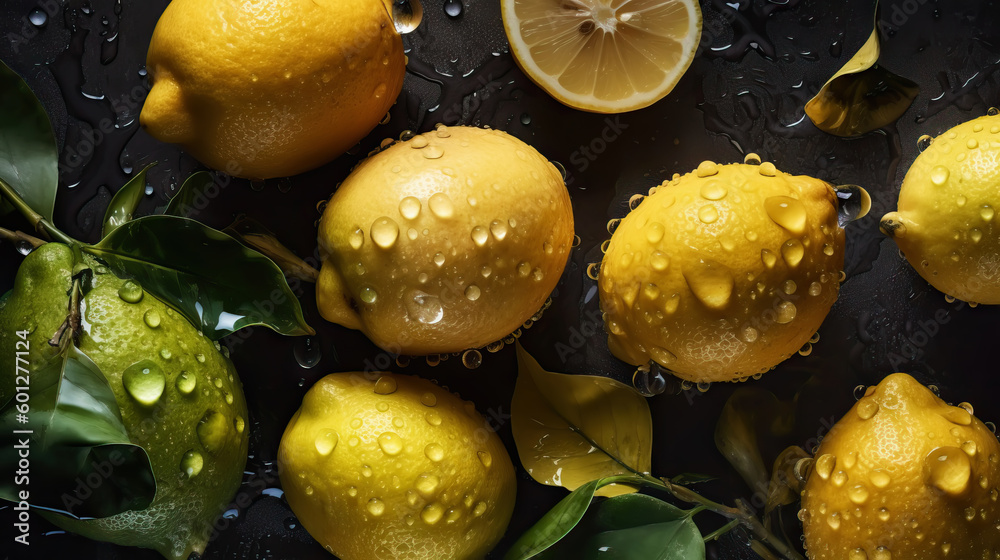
x=271 y=88
x=946 y=221
x=724 y=272
x=395 y=467
x=904 y=476
x=448 y=241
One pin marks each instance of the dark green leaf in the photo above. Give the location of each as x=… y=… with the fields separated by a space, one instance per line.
x=81 y=459
x=256 y=236
x=632 y=527
x=28 y=154
x=125 y=202
x=217 y=283
x=560 y=520
x=190 y=198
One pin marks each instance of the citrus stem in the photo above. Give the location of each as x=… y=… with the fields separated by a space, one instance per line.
x=739 y=515
x=16 y=237
x=37 y=221
x=721 y=530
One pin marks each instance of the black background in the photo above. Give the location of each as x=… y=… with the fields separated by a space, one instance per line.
x=759 y=63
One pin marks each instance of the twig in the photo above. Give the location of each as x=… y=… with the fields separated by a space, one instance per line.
x=41 y=225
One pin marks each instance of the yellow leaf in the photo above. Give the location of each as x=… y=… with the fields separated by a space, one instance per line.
x=571 y=429
x=861 y=96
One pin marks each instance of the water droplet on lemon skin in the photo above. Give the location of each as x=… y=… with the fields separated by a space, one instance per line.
x=144 y=381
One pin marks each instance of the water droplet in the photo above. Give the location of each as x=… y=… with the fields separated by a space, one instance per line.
x=949 y=470
x=714 y=190
x=427 y=484
x=485 y=458
x=151 y=318
x=386 y=385
x=130 y=292
x=186 y=382
x=711 y=282
x=357 y=238
x=406 y=15
x=972 y=144
x=390 y=443
x=239 y=424
x=839 y=478
x=479 y=509
x=213 y=429
x=858 y=494
x=939 y=175
x=37 y=17
x=857 y=554
x=453 y=9
x=441 y=205
x=708 y=214
x=384 y=232
x=327 y=442
x=144 y=381
x=409 y=207
x=768 y=258
x=793 y=251
x=789 y=287
x=993 y=111
x=525 y=119
x=424 y=308
x=433 y=152
x=432 y=513
x=751 y=159
x=834 y=520
x=924 y=142
x=815 y=289
x=853 y=203
x=866 y=408
x=649 y=381
x=707 y=169
x=786 y=312
x=307 y=352
x=613 y=225
x=970 y=448
x=434 y=452
x=366 y=471
x=879 y=478
x=976 y=235
x=824 y=466
x=787 y=213
x=376 y=507
x=635 y=201
x=191 y=463
x=806 y=349
x=433 y=418
x=472 y=359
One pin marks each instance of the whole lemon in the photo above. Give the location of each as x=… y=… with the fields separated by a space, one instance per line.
x=271 y=88
x=904 y=476
x=945 y=223
x=724 y=272
x=395 y=468
x=447 y=241
x=180 y=398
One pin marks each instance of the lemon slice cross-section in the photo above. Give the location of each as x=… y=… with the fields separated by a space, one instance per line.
x=604 y=56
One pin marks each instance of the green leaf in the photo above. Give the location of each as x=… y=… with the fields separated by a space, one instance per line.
x=28 y=155
x=81 y=460
x=559 y=520
x=125 y=201
x=750 y=412
x=217 y=283
x=255 y=235
x=570 y=429
x=190 y=198
x=640 y=527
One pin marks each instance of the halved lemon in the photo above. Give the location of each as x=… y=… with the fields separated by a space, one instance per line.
x=604 y=56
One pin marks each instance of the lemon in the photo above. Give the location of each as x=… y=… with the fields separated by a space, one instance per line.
x=724 y=272
x=603 y=56
x=180 y=398
x=271 y=88
x=447 y=241
x=945 y=223
x=395 y=468
x=904 y=476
